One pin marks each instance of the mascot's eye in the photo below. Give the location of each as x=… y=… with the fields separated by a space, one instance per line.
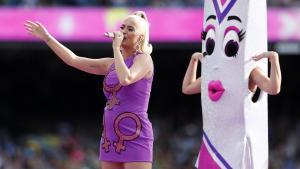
x=209 y=41
x=231 y=44
x=210 y=46
x=231 y=48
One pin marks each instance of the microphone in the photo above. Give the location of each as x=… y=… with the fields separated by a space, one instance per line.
x=109 y=35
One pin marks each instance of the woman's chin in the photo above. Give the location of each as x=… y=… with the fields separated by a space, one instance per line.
x=125 y=45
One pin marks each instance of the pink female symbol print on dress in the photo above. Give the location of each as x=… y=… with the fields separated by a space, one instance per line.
x=119 y=145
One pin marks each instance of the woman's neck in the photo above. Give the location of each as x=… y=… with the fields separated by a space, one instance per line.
x=127 y=52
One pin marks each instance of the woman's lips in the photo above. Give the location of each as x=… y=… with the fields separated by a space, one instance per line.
x=215 y=90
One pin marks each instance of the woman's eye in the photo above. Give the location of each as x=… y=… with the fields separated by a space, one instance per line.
x=121 y=27
x=210 y=42
x=231 y=44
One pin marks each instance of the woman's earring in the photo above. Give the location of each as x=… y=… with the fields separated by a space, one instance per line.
x=138 y=45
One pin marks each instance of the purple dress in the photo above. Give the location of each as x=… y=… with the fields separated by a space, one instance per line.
x=127 y=132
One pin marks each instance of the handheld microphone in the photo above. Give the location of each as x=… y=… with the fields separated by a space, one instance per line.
x=109 y=35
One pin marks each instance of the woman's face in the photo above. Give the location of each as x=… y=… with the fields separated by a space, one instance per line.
x=132 y=31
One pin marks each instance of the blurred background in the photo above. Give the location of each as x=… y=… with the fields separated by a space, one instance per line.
x=51 y=114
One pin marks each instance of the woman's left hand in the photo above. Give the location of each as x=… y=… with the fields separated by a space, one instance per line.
x=117 y=40
x=270 y=55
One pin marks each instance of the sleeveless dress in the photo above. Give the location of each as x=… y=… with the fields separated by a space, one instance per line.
x=127 y=132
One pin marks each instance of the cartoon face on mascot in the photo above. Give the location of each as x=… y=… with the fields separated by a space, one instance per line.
x=235 y=129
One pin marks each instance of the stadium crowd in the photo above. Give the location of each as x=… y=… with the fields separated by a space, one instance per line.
x=129 y=3
x=70 y=148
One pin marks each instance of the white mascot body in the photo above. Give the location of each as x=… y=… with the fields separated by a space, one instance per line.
x=235 y=129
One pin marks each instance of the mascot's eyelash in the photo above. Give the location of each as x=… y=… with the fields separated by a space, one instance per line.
x=203 y=35
x=241 y=35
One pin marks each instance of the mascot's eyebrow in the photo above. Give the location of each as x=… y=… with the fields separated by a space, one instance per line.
x=234 y=18
x=211 y=17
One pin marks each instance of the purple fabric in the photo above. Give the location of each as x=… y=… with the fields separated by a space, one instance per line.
x=127 y=135
x=222 y=14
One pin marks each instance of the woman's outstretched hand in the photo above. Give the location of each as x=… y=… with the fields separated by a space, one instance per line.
x=197 y=56
x=38 y=30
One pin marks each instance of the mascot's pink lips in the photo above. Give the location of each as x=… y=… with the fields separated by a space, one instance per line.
x=215 y=90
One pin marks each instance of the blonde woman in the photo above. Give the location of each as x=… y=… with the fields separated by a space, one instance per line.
x=127 y=137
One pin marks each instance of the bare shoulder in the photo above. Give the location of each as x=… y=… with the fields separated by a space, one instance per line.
x=144 y=59
x=143 y=56
x=254 y=78
x=257 y=72
x=258 y=76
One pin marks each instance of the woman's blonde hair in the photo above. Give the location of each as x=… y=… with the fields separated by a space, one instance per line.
x=146 y=47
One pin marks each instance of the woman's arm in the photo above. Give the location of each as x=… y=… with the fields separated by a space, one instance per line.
x=270 y=85
x=93 y=66
x=141 y=67
x=190 y=84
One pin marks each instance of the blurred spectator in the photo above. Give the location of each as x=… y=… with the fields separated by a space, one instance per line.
x=173 y=149
x=119 y=3
x=284 y=3
x=114 y=3
x=130 y=3
x=139 y=2
x=295 y=3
